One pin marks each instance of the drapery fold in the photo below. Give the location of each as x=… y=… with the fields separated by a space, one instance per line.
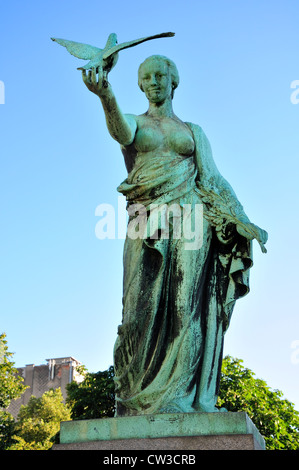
x=177 y=302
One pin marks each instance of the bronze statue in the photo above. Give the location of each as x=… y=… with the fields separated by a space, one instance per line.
x=177 y=298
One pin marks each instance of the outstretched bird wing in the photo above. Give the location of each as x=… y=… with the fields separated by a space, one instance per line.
x=126 y=45
x=79 y=50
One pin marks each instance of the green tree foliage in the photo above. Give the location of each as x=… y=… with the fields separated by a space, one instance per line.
x=7 y=426
x=275 y=418
x=11 y=387
x=93 y=397
x=39 y=421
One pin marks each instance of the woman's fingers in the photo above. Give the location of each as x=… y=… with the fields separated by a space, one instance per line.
x=264 y=236
x=100 y=75
x=93 y=76
x=253 y=231
x=84 y=76
x=94 y=83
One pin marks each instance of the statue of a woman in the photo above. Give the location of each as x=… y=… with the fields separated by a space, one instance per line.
x=177 y=300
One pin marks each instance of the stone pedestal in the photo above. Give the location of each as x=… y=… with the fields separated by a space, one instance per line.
x=177 y=431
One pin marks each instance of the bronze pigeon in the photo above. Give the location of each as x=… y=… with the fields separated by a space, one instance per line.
x=104 y=58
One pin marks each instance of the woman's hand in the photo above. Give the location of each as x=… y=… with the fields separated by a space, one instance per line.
x=97 y=86
x=251 y=231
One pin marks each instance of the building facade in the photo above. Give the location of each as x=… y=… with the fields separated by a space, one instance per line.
x=58 y=372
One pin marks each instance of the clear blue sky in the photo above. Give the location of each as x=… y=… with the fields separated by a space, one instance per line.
x=61 y=286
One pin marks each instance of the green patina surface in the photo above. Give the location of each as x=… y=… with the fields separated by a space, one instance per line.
x=159 y=426
x=178 y=294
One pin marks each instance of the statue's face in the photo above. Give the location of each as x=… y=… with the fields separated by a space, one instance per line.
x=156 y=80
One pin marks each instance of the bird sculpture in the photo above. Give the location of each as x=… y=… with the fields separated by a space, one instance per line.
x=105 y=58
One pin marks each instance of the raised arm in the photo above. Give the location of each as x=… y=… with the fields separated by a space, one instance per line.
x=121 y=127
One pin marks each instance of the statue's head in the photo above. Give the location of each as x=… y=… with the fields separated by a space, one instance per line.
x=159 y=62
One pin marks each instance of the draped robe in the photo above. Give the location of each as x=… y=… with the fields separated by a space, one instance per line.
x=177 y=302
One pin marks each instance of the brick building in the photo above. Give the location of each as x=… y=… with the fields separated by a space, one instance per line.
x=58 y=372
